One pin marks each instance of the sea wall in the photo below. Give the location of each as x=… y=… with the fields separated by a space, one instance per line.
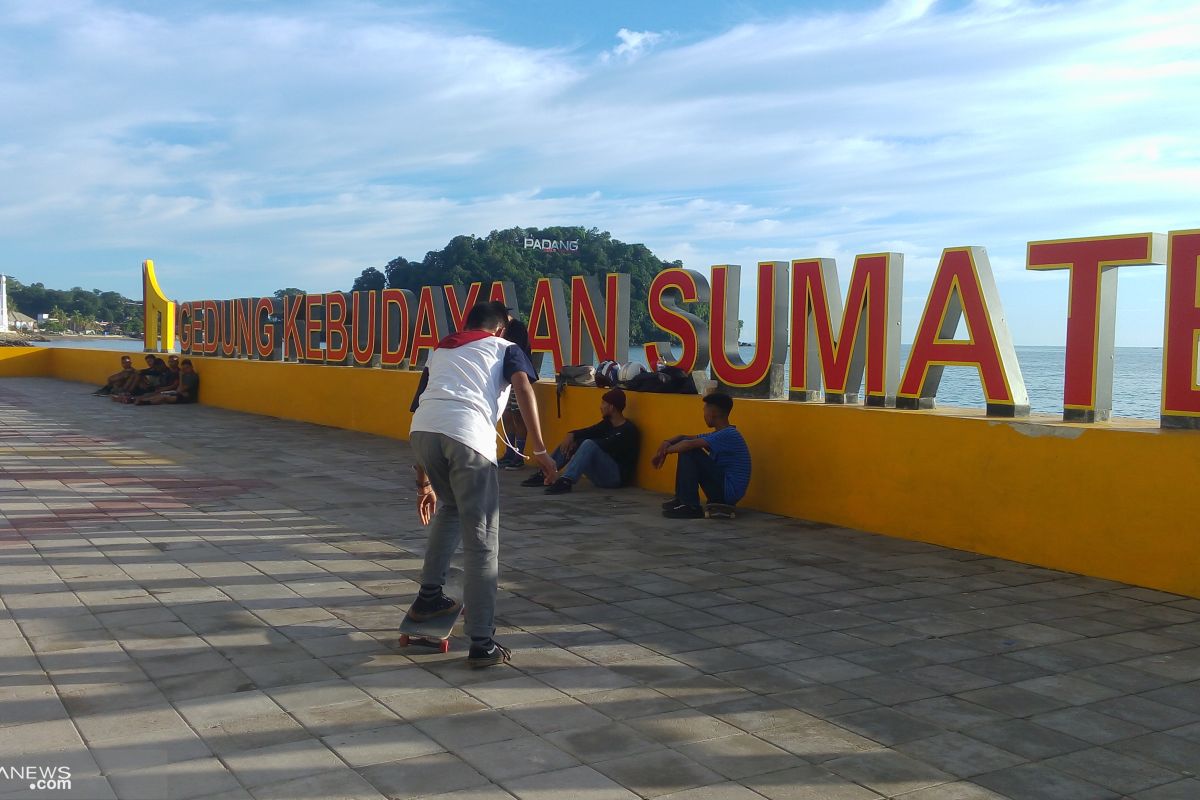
x=1113 y=500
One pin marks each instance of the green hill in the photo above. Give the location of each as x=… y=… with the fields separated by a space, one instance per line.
x=502 y=255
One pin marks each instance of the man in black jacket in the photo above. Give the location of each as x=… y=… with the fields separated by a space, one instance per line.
x=605 y=452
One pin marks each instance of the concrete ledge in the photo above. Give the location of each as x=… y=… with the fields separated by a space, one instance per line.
x=1114 y=500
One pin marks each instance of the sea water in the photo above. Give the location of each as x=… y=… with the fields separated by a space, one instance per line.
x=1137 y=376
x=1137 y=380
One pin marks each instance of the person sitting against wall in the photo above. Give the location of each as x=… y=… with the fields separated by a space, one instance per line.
x=167 y=383
x=605 y=452
x=188 y=390
x=147 y=380
x=717 y=463
x=120 y=381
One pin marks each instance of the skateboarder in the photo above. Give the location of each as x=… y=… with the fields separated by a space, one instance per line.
x=462 y=394
x=723 y=472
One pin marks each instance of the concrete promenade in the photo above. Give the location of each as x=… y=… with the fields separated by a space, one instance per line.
x=196 y=603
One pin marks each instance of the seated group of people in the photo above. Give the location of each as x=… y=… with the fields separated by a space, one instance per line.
x=170 y=381
x=717 y=463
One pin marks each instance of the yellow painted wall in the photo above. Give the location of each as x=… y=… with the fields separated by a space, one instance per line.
x=1114 y=500
x=24 y=361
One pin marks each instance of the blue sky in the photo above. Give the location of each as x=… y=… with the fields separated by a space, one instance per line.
x=247 y=146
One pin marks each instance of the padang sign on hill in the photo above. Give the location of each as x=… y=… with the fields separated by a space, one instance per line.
x=844 y=348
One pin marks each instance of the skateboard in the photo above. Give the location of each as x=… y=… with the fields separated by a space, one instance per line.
x=430 y=633
x=720 y=511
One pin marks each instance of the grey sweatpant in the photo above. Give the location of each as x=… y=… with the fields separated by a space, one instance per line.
x=468 y=510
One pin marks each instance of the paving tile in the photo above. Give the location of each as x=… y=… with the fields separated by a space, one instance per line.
x=281 y=762
x=887 y=771
x=680 y=727
x=601 y=743
x=575 y=783
x=1187 y=789
x=430 y=704
x=720 y=791
x=433 y=774
x=1112 y=770
x=887 y=726
x=1089 y=725
x=1040 y=782
x=516 y=758
x=393 y=743
x=1144 y=712
x=181 y=781
x=657 y=772
x=808 y=783
x=959 y=755
x=472 y=728
x=1026 y=739
x=1173 y=752
x=962 y=790
x=739 y=756
x=340 y=784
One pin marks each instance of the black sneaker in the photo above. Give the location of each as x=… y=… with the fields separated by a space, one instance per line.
x=683 y=511
x=488 y=655
x=536 y=479
x=560 y=486
x=674 y=501
x=511 y=461
x=440 y=606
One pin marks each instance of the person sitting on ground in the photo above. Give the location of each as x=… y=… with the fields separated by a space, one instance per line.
x=514 y=426
x=119 y=381
x=147 y=381
x=605 y=452
x=188 y=390
x=723 y=472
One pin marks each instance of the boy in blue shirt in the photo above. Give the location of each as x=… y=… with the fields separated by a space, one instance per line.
x=717 y=462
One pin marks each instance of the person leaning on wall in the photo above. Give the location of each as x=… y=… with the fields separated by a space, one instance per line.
x=717 y=463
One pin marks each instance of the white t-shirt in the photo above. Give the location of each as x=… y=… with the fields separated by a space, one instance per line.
x=466 y=391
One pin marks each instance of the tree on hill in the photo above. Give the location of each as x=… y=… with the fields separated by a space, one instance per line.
x=502 y=255
x=78 y=306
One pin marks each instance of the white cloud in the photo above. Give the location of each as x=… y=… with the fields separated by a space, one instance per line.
x=241 y=148
x=633 y=44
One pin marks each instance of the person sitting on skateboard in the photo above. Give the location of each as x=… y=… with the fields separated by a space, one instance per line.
x=605 y=452
x=717 y=462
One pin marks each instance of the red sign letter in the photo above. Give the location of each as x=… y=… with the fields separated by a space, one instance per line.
x=1092 y=311
x=770 y=334
x=1181 y=341
x=868 y=333
x=668 y=289
x=964 y=288
x=546 y=317
x=610 y=342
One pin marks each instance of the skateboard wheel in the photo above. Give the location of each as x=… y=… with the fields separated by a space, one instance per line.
x=404 y=640
x=444 y=646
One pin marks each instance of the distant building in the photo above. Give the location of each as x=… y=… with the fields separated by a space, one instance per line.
x=20 y=322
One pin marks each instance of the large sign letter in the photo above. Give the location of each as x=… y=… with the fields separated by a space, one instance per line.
x=429 y=327
x=547 y=318
x=1092 y=311
x=1181 y=339
x=396 y=326
x=964 y=288
x=158 y=335
x=609 y=342
x=770 y=340
x=868 y=338
x=669 y=289
x=458 y=310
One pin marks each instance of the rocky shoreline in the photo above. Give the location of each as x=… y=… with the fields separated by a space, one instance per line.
x=20 y=339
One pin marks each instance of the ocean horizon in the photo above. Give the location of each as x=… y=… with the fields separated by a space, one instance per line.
x=1137 y=375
